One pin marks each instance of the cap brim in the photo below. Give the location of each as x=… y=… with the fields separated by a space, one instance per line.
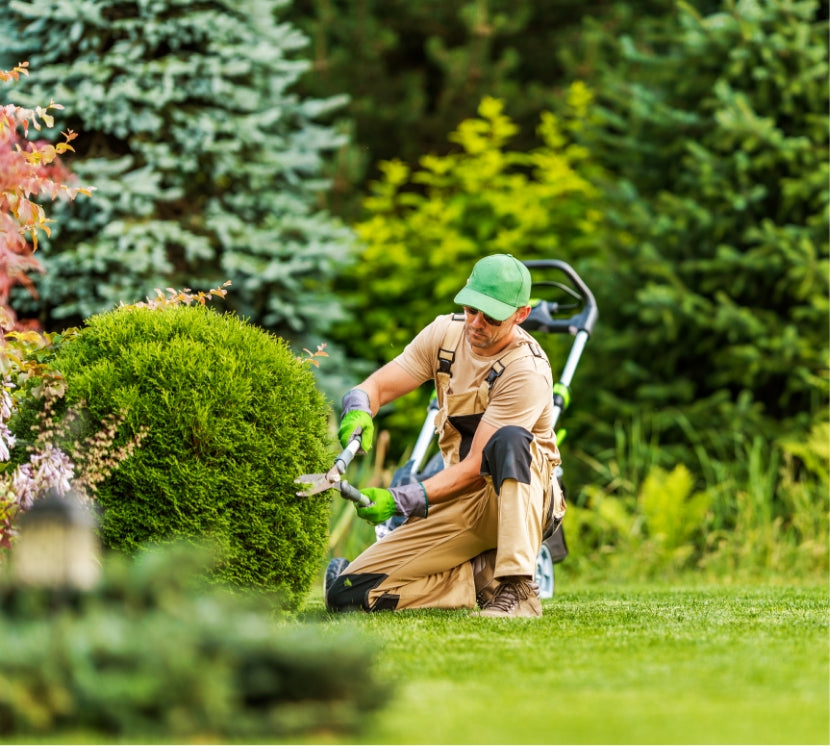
x=484 y=303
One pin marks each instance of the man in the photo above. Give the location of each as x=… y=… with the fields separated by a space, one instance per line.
x=473 y=529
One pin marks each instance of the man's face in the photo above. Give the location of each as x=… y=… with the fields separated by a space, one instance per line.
x=488 y=336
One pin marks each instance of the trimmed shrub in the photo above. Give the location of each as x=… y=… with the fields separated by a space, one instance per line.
x=231 y=419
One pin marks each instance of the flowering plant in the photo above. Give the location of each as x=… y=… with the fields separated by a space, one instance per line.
x=29 y=171
x=79 y=466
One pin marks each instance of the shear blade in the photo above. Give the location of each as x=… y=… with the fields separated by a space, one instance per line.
x=319 y=482
x=314 y=483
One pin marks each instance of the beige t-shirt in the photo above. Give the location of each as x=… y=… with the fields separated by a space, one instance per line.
x=522 y=395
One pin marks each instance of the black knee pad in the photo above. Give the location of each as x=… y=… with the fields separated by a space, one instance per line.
x=507 y=456
x=351 y=592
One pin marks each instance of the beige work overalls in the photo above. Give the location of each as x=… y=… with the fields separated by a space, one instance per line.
x=425 y=562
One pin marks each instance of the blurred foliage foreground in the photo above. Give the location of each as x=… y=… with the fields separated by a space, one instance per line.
x=154 y=653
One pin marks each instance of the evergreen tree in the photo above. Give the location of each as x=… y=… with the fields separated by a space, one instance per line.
x=415 y=70
x=206 y=167
x=714 y=284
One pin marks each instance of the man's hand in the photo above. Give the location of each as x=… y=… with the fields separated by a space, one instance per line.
x=382 y=508
x=356 y=413
x=353 y=420
x=407 y=500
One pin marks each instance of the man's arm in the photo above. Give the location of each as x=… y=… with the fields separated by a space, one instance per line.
x=387 y=384
x=414 y=498
x=362 y=403
x=391 y=382
x=464 y=475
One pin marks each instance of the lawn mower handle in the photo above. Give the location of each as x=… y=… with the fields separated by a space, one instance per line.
x=540 y=318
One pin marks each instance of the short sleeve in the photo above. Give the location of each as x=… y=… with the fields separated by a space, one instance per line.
x=419 y=358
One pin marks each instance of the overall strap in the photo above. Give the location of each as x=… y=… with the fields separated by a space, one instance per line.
x=446 y=352
x=446 y=356
x=523 y=350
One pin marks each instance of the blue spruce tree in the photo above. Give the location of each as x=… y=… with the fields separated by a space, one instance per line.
x=207 y=167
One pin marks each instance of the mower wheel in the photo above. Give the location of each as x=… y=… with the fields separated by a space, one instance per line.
x=544 y=572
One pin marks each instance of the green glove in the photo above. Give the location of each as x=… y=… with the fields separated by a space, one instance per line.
x=356 y=413
x=353 y=420
x=407 y=500
x=382 y=507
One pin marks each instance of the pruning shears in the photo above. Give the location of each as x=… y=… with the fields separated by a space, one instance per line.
x=333 y=478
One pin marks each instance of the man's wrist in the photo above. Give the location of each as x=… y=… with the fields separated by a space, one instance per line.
x=426 y=499
x=411 y=499
x=355 y=399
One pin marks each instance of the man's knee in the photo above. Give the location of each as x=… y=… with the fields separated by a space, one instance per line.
x=507 y=455
x=350 y=592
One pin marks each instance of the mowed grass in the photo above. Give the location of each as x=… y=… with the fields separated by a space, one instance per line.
x=611 y=664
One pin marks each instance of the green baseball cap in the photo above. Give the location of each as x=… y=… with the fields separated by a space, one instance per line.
x=498 y=285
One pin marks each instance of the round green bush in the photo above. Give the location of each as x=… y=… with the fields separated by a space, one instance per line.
x=232 y=419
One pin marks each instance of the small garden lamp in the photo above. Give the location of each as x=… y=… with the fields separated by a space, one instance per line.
x=57 y=547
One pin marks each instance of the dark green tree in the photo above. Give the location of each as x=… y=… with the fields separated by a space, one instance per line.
x=415 y=70
x=714 y=280
x=207 y=166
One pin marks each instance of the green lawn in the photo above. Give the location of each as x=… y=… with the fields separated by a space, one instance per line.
x=621 y=664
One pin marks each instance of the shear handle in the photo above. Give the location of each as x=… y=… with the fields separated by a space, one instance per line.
x=346 y=456
x=352 y=493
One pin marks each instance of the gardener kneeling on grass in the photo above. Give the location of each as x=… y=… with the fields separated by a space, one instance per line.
x=473 y=529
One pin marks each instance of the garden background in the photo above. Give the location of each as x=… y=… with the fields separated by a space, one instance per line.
x=343 y=165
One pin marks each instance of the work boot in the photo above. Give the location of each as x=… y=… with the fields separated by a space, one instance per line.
x=483 y=568
x=515 y=597
x=334 y=568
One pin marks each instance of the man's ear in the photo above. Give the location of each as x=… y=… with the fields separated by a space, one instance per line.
x=521 y=314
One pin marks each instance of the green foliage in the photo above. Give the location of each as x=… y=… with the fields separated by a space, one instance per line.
x=232 y=417
x=26 y=360
x=713 y=289
x=207 y=168
x=154 y=654
x=758 y=510
x=778 y=500
x=415 y=70
x=672 y=513
x=714 y=283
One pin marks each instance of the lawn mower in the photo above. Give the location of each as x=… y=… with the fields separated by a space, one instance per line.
x=561 y=304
